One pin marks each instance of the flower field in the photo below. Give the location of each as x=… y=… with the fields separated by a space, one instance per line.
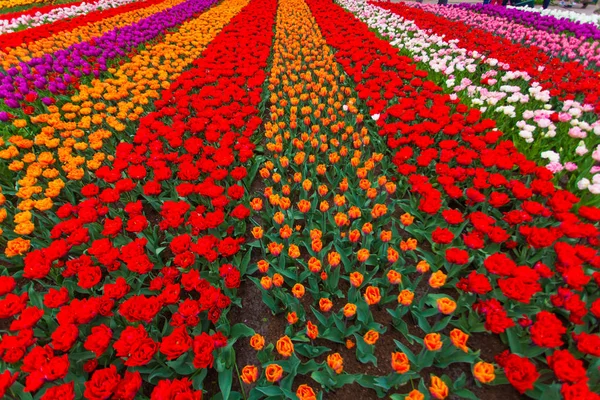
x=303 y=199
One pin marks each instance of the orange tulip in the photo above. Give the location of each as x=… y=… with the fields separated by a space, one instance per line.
x=371 y=337
x=411 y=244
x=354 y=212
x=293 y=251
x=305 y=392
x=446 y=306
x=285 y=203
x=249 y=374
x=392 y=255
x=278 y=218
x=438 y=388
x=274 y=199
x=378 y=210
x=356 y=278
x=394 y=277
x=336 y=362
x=354 y=236
x=266 y=282
x=400 y=362
x=298 y=290
x=363 y=255
x=344 y=183
x=422 y=266
x=275 y=248
x=257 y=232
x=371 y=193
x=385 y=236
x=315 y=234
x=316 y=245
x=349 y=344
x=349 y=310
x=307 y=185
x=437 y=279
x=341 y=219
x=314 y=265
x=285 y=347
x=304 y=206
x=367 y=228
x=372 y=295
x=257 y=342
x=277 y=280
x=415 y=395
x=390 y=187
x=484 y=372
x=333 y=259
x=325 y=304
x=292 y=318
x=273 y=372
x=285 y=232
x=263 y=266
x=406 y=297
x=312 y=331
x=433 y=341
x=406 y=219
x=459 y=339
x=17 y=247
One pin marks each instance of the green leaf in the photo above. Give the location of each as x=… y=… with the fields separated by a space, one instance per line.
x=241 y=330
x=411 y=356
x=323 y=378
x=513 y=341
x=225 y=380
x=270 y=391
x=426 y=358
x=309 y=351
x=320 y=317
x=364 y=351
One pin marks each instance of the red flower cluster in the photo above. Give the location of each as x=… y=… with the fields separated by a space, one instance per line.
x=143 y=242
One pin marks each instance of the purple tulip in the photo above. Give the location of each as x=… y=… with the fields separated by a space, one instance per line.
x=73 y=61
x=547 y=23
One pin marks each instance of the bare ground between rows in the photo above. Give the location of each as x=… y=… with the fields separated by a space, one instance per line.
x=258 y=316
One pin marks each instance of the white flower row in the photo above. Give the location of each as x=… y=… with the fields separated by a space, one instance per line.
x=29 y=21
x=501 y=92
x=570 y=15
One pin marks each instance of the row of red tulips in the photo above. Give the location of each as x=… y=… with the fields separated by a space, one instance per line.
x=134 y=283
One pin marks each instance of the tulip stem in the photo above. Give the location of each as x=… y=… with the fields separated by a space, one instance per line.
x=240 y=379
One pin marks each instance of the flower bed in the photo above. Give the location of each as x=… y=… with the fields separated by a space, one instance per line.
x=44 y=30
x=541 y=126
x=35 y=10
x=280 y=199
x=178 y=310
x=56 y=14
x=563 y=45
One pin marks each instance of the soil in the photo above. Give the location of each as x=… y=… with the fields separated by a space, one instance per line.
x=257 y=315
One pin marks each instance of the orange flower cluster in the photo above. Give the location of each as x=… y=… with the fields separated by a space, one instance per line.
x=72 y=137
x=17 y=3
x=326 y=210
